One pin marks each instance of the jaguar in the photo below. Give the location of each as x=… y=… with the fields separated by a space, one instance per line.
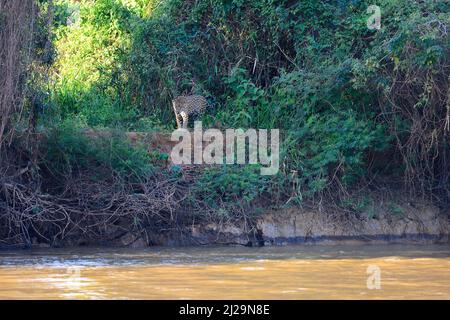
x=184 y=106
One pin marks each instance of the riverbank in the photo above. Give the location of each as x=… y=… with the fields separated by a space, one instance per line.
x=414 y=224
x=85 y=134
x=169 y=205
x=424 y=225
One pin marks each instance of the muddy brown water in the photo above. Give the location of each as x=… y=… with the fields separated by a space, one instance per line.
x=292 y=272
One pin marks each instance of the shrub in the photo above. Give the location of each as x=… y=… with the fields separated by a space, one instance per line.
x=353 y=103
x=70 y=150
x=230 y=188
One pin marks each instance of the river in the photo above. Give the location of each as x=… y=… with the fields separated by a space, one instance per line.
x=291 y=272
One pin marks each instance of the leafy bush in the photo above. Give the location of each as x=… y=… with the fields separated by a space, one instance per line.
x=230 y=187
x=352 y=103
x=89 y=49
x=70 y=150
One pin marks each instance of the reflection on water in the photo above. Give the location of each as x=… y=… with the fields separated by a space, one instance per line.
x=294 y=272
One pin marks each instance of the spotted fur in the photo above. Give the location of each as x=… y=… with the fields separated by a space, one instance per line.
x=184 y=106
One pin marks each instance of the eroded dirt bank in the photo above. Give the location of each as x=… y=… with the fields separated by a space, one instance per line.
x=417 y=224
x=158 y=217
x=294 y=225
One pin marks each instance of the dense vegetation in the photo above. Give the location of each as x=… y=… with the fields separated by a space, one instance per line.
x=358 y=108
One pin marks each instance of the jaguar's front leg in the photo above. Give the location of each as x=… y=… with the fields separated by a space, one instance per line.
x=177 y=118
x=177 y=115
x=185 y=117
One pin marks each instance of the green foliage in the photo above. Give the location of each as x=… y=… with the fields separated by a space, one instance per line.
x=89 y=50
x=347 y=99
x=70 y=150
x=395 y=209
x=248 y=106
x=233 y=185
x=364 y=204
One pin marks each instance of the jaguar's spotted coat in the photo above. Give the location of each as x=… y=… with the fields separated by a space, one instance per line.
x=183 y=106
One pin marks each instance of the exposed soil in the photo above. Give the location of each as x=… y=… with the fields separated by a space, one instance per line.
x=413 y=222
